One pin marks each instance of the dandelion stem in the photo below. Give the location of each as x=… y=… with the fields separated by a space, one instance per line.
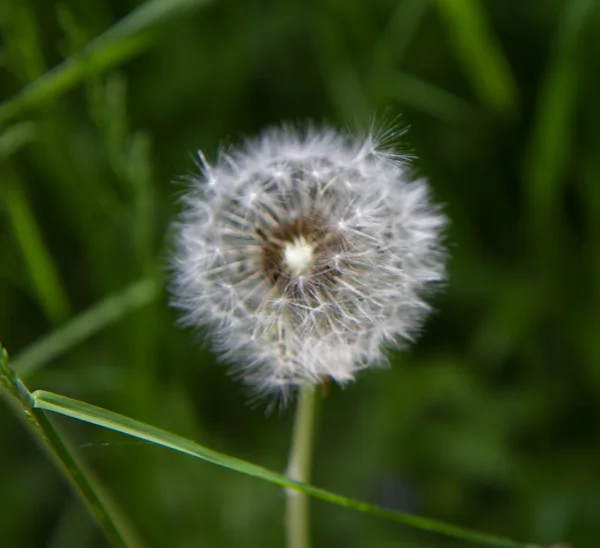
x=297 y=509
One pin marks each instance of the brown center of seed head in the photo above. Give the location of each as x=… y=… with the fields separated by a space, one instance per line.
x=302 y=249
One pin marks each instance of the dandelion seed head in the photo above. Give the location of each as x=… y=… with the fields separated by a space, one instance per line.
x=307 y=253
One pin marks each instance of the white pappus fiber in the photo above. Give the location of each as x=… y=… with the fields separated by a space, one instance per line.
x=306 y=253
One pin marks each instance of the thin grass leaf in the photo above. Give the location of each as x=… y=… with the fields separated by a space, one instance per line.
x=43 y=273
x=113 y=118
x=125 y=39
x=388 y=83
x=425 y=97
x=22 y=51
x=131 y=427
x=403 y=25
x=15 y=137
x=143 y=357
x=342 y=80
x=110 y=518
x=140 y=174
x=550 y=145
x=86 y=324
x=480 y=54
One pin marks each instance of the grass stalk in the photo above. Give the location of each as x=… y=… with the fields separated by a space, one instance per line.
x=117 y=530
x=83 y=326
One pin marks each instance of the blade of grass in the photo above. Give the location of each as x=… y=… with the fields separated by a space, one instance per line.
x=86 y=324
x=344 y=84
x=480 y=54
x=125 y=39
x=425 y=97
x=143 y=333
x=550 y=144
x=15 y=137
x=21 y=44
x=104 y=510
x=140 y=174
x=38 y=260
x=107 y=419
x=388 y=83
x=404 y=23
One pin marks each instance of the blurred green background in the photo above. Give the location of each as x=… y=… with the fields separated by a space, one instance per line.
x=489 y=421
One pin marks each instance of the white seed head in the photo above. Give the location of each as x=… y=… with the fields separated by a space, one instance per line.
x=306 y=253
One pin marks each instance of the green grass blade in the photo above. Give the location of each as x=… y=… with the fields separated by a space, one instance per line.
x=550 y=144
x=119 y=423
x=15 y=137
x=127 y=38
x=43 y=273
x=480 y=54
x=425 y=97
x=103 y=509
x=86 y=324
x=339 y=73
x=403 y=25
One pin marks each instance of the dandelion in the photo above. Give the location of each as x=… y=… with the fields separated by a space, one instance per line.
x=307 y=254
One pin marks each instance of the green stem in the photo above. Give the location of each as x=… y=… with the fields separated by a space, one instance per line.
x=297 y=509
x=117 y=531
x=83 y=326
x=84 y=483
x=119 y=423
x=43 y=273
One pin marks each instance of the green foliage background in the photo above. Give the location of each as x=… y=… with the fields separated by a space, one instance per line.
x=489 y=421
